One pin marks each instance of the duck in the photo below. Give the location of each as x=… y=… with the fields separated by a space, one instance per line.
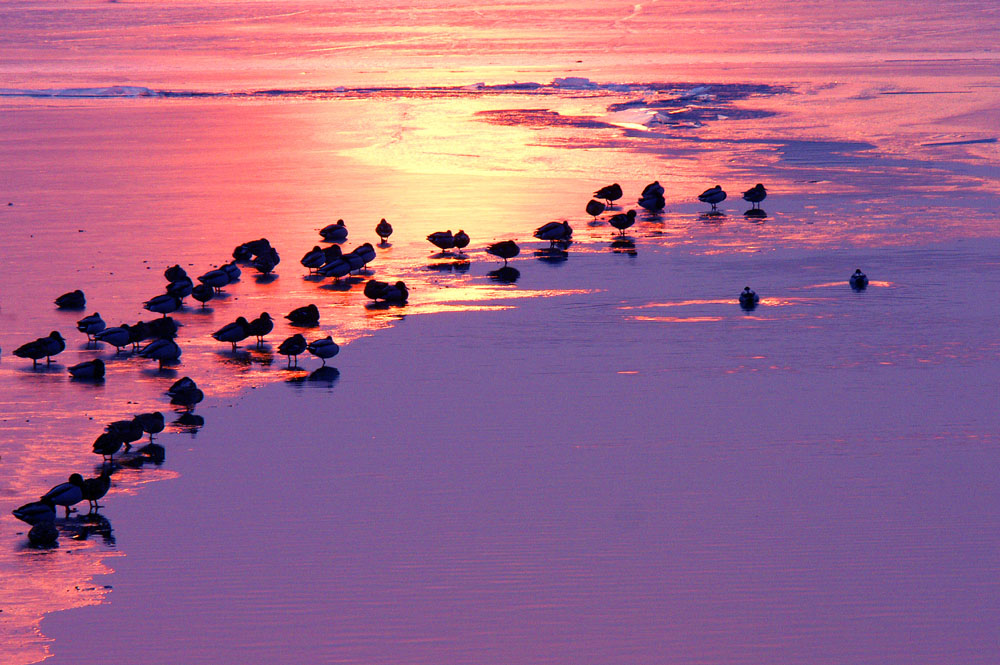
x=181 y=385
x=127 y=431
x=376 y=290
x=315 y=258
x=323 y=348
x=461 y=239
x=755 y=195
x=72 y=300
x=505 y=249
x=360 y=256
x=90 y=369
x=652 y=189
x=94 y=489
x=266 y=262
x=163 y=304
x=137 y=333
x=609 y=193
x=232 y=271
x=336 y=232
x=175 y=273
x=66 y=494
x=163 y=350
x=91 y=325
x=151 y=423
x=259 y=247
x=653 y=202
x=442 y=239
x=336 y=268
x=185 y=392
x=595 y=208
x=202 y=293
x=292 y=347
x=713 y=195
x=622 y=221
x=383 y=229
x=554 y=232
x=307 y=315
x=859 y=280
x=234 y=332
x=242 y=253
x=43 y=347
x=106 y=445
x=117 y=336
x=35 y=512
x=216 y=278
x=261 y=326
x=163 y=328
x=748 y=298
x=180 y=288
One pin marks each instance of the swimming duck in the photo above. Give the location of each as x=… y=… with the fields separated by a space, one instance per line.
x=755 y=195
x=554 y=232
x=163 y=350
x=442 y=239
x=90 y=369
x=43 y=347
x=234 y=332
x=859 y=280
x=505 y=249
x=609 y=193
x=748 y=299
x=334 y=232
x=622 y=221
x=72 y=300
x=713 y=195
x=595 y=208
x=261 y=326
x=292 y=347
x=91 y=325
x=323 y=348
x=307 y=315
x=163 y=304
x=118 y=337
x=66 y=494
x=383 y=229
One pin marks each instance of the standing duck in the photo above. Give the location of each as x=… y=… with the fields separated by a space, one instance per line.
x=713 y=195
x=234 y=332
x=261 y=326
x=91 y=325
x=66 y=494
x=622 y=221
x=442 y=239
x=90 y=369
x=43 y=347
x=323 y=348
x=554 y=232
x=384 y=230
x=610 y=193
x=595 y=208
x=755 y=195
x=461 y=240
x=94 y=489
x=163 y=304
x=334 y=232
x=293 y=347
x=307 y=315
x=505 y=249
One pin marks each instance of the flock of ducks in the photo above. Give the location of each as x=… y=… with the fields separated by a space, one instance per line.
x=159 y=335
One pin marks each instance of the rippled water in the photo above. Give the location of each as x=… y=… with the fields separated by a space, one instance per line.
x=603 y=461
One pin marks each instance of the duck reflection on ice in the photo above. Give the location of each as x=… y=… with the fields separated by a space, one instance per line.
x=321 y=375
x=89 y=525
x=555 y=255
x=151 y=453
x=755 y=214
x=507 y=274
x=189 y=423
x=624 y=245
